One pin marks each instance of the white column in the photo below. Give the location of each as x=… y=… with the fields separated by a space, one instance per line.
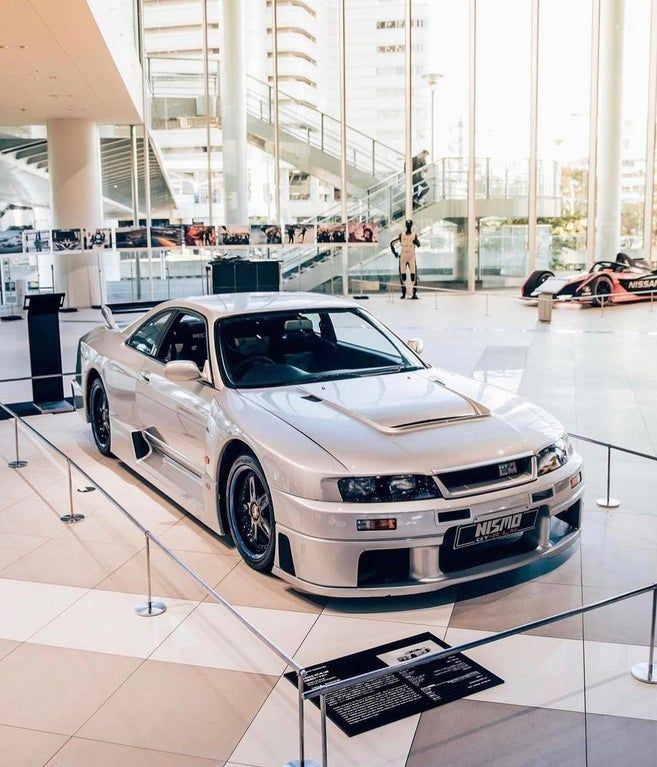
x=233 y=112
x=77 y=203
x=610 y=116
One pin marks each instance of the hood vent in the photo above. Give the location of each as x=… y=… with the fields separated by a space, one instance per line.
x=311 y=398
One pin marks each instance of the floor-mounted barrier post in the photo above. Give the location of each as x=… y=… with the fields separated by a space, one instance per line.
x=150 y=608
x=322 y=708
x=17 y=463
x=647 y=672
x=608 y=502
x=71 y=518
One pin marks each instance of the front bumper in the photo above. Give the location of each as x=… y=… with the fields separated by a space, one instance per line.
x=319 y=550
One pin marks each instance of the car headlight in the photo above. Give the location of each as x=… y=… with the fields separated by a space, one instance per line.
x=553 y=456
x=399 y=487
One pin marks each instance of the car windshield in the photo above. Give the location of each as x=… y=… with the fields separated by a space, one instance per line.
x=283 y=348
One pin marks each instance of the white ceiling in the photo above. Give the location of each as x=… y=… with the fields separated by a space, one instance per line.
x=55 y=62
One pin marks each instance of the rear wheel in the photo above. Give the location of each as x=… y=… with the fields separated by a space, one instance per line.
x=100 y=418
x=251 y=513
x=601 y=291
x=534 y=280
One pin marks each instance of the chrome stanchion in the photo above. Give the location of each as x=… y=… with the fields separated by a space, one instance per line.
x=322 y=708
x=302 y=733
x=647 y=672
x=71 y=517
x=435 y=299
x=149 y=609
x=486 y=310
x=18 y=463
x=608 y=502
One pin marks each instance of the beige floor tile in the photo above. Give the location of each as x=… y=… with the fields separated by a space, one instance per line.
x=168 y=578
x=56 y=689
x=27 y=748
x=26 y=607
x=71 y=563
x=31 y=516
x=243 y=586
x=79 y=752
x=6 y=646
x=107 y=525
x=14 y=483
x=183 y=709
x=189 y=535
x=13 y=547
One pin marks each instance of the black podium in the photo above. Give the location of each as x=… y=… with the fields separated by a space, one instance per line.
x=46 y=351
x=234 y=275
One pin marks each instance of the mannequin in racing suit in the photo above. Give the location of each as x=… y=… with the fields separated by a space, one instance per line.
x=408 y=241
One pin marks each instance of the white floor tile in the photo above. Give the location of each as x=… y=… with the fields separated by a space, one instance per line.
x=424 y=610
x=105 y=621
x=25 y=606
x=610 y=688
x=272 y=738
x=211 y=636
x=537 y=671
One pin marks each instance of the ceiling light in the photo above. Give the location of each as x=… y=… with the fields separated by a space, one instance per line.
x=23 y=47
x=52 y=77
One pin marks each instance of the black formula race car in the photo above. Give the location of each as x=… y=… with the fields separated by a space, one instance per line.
x=623 y=280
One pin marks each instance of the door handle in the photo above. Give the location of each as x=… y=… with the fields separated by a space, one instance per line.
x=145 y=376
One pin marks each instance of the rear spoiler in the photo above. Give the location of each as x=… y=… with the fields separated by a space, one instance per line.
x=108 y=317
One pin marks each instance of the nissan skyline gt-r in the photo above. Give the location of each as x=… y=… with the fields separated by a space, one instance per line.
x=325 y=447
x=623 y=280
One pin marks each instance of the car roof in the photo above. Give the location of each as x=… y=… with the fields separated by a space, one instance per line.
x=231 y=304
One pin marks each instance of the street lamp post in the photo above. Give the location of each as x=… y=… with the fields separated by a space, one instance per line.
x=432 y=79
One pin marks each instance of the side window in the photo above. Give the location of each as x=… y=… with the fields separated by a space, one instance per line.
x=186 y=339
x=146 y=337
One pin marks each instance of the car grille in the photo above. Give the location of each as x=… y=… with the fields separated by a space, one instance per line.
x=489 y=476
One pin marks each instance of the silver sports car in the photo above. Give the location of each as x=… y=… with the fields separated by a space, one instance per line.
x=325 y=447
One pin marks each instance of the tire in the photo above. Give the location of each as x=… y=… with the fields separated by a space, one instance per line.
x=250 y=513
x=601 y=292
x=99 y=416
x=534 y=280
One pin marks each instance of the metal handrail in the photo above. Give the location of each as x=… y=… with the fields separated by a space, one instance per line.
x=36 y=378
x=148 y=535
x=342 y=684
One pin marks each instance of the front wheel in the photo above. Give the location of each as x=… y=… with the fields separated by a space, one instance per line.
x=100 y=418
x=535 y=280
x=602 y=290
x=251 y=513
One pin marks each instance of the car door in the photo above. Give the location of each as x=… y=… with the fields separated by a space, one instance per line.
x=174 y=414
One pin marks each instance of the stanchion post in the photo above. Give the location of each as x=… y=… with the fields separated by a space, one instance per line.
x=486 y=311
x=17 y=463
x=608 y=502
x=435 y=299
x=70 y=518
x=646 y=672
x=322 y=708
x=302 y=734
x=150 y=608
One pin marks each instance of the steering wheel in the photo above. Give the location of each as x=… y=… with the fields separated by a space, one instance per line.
x=246 y=364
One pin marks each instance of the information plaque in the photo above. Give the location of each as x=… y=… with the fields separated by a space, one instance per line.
x=372 y=704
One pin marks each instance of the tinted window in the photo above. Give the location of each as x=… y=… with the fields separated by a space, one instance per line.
x=186 y=339
x=146 y=337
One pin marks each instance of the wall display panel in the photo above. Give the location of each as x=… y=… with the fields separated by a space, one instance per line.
x=199 y=235
x=363 y=232
x=11 y=241
x=166 y=236
x=300 y=234
x=36 y=241
x=66 y=239
x=131 y=237
x=331 y=233
x=234 y=235
x=98 y=239
x=265 y=234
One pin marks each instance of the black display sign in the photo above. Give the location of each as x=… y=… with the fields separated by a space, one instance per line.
x=368 y=705
x=490 y=529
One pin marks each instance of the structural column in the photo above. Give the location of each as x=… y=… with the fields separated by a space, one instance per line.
x=76 y=203
x=610 y=93
x=233 y=112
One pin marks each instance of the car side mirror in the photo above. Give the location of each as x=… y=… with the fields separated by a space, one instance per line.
x=182 y=370
x=415 y=345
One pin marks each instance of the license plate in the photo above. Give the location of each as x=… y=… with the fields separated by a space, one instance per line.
x=499 y=527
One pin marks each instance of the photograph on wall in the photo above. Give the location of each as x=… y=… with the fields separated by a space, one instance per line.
x=97 y=239
x=234 y=235
x=331 y=233
x=299 y=234
x=131 y=237
x=200 y=236
x=67 y=239
x=363 y=232
x=36 y=241
x=11 y=241
x=166 y=236
x=266 y=234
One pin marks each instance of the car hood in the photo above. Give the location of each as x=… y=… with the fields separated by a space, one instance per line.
x=419 y=421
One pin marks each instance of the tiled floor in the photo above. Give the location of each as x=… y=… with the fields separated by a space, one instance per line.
x=84 y=681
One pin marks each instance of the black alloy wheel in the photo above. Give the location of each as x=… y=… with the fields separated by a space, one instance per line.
x=534 y=280
x=251 y=513
x=100 y=417
x=602 y=290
